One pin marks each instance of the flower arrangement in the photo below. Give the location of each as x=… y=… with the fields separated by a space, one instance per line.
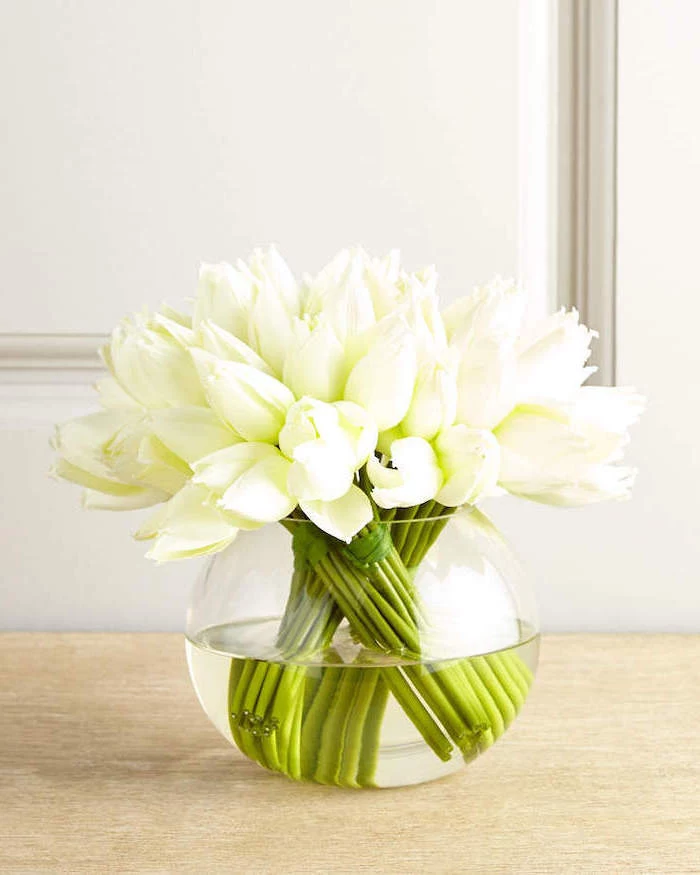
x=347 y=400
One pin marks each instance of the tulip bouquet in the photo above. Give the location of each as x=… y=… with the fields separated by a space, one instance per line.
x=339 y=405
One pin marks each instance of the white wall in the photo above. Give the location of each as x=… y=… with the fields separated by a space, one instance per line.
x=144 y=137
x=140 y=138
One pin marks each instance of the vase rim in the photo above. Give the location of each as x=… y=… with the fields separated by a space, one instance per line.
x=446 y=514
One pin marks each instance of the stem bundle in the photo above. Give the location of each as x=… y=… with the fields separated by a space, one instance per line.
x=323 y=722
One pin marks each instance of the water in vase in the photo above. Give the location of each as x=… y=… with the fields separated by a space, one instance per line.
x=354 y=717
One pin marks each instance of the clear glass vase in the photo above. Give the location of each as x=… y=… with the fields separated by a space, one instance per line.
x=393 y=660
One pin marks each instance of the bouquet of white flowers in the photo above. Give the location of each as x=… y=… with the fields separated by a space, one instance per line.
x=350 y=401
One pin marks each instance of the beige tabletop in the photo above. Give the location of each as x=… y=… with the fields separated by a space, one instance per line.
x=107 y=764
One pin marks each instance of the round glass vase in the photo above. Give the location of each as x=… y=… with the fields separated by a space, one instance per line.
x=389 y=661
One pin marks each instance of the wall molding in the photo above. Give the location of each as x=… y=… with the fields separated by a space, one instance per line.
x=587 y=168
x=50 y=359
x=50 y=352
x=567 y=163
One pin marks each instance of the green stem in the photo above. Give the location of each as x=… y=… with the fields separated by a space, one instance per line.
x=370 y=729
x=316 y=717
x=353 y=748
x=334 y=729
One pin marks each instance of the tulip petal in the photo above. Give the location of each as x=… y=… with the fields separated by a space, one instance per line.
x=152 y=364
x=414 y=478
x=269 y=268
x=383 y=380
x=224 y=297
x=94 y=500
x=67 y=471
x=224 y=345
x=192 y=432
x=112 y=395
x=253 y=403
x=342 y=518
x=260 y=494
x=340 y=292
x=315 y=363
x=189 y=525
x=562 y=454
x=321 y=470
x=486 y=385
x=219 y=470
x=434 y=403
x=551 y=361
x=270 y=329
x=470 y=463
x=81 y=441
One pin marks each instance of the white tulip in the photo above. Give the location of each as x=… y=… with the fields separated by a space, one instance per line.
x=552 y=358
x=483 y=328
x=276 y=304
x=224 y=297
x=414 y=475
x=383 y=379
x=128 y=458
x=381 y=279
x=562 y=454
x=492 y=312
x=420 y=307
x=434 y=403
x=250 y=479
x=135 y=455
x=327 y=443
x=83 y=445
x=269 y=268
x=253 y=403
x=470 y=462
x=148 y=357
x=342 y=518
x=340 y=291
x=190 y=524
x=315 y=361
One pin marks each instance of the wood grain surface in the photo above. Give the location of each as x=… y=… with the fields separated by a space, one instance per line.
x=107 y=764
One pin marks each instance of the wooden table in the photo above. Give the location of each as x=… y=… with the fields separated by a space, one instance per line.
x=108 y=765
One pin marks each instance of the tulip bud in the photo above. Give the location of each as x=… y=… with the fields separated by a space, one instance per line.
x=315 y=362
x=149 y=359
x=275 y=306
x=224 y=297
x=341 y=293
x=383 y=379
x=434 y=403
